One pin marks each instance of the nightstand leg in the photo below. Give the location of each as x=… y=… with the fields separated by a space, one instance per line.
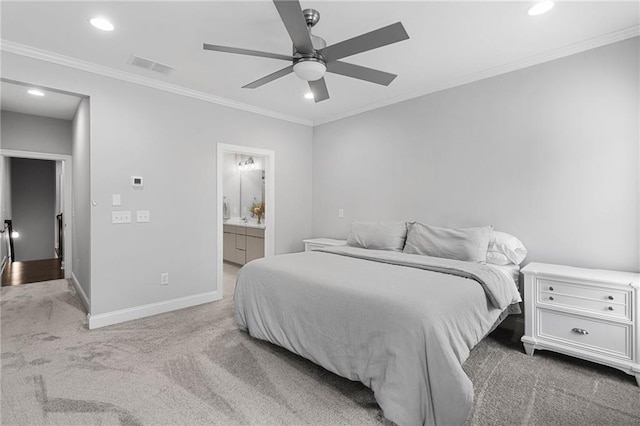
x=528 y=348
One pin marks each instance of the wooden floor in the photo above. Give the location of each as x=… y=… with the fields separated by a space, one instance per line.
x=32 y=271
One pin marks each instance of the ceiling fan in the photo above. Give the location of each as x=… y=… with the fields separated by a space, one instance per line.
x=311 y=57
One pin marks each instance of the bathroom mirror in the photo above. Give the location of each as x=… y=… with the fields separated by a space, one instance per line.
x=243 y=184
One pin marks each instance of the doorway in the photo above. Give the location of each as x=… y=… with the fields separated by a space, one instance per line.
x=27 y=259
x=247 y=156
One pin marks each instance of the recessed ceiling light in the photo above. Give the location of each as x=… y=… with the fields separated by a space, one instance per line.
x=35 y=92
x=102 y=24
x=540 y=8
x=308 y=95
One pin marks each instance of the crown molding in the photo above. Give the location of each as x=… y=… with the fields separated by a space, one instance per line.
x=44 y=55
x=495 y=71
x=67 y=61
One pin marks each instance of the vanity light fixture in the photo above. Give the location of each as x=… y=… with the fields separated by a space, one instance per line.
x=540 y=7
x=35 y=92
x=101 y=24
x=15 y=234
x=247 y=165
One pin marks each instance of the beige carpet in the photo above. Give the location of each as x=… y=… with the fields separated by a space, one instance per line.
x=194 y=367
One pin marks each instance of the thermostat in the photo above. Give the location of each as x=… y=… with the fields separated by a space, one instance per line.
x=136 y=181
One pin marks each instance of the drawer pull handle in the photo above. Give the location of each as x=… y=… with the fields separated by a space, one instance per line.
x=550 y=288
x=610 y=297
x=550 y=297
x=610 y=308
x=580 y=331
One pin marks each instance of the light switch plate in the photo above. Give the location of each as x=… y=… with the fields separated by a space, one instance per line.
x=143 y=216
x=116 y=200
x=121 y=217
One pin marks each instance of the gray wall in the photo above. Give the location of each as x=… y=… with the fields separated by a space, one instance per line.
x=171 y=141
x=5 y=194
x=5 y=205
x=548 y=153
x=34 y=133
x=81 y=210
x=33 y=197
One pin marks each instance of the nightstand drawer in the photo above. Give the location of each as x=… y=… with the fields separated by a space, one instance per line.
x=586 y=333
x=617 y=310
x=592 y=298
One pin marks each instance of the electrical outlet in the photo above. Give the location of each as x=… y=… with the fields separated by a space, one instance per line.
x=121 y=217
x=340 y=212
x=143 y=216
x=164 y=278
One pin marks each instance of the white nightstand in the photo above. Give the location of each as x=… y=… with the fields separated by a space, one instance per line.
x=587 y=313
x=316 y=243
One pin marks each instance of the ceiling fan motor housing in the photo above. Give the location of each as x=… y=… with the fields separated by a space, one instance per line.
x=310 y=66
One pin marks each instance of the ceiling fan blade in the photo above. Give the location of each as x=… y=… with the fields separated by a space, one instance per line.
x=381 y=37
x=361 y=73
x=293 y=20
x=269 y=78
x=319 y=90
x=239 y=51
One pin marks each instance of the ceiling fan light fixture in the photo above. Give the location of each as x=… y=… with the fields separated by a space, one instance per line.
x=540 y=7
x=309 y=69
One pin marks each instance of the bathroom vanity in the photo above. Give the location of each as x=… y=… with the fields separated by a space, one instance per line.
x=242 y=242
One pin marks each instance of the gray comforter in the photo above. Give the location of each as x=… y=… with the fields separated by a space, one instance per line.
x=401 y=324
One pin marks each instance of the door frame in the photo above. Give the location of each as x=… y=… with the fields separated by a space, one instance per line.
x=269 y=191
x=67 y=255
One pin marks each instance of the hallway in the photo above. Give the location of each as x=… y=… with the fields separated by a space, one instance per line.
x=32 y=271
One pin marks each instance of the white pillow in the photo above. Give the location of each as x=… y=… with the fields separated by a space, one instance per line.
x=505 y=249
x=469 y=244
x=378 y=235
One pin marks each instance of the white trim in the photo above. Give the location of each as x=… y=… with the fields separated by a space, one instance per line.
x=83 y=296
x=270 y=200
x=67 y=61
x=137 y=312
x=34 y=155
x=495 y=71
x=67 y=256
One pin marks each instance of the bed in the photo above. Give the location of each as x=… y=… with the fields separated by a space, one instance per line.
x=402 y=324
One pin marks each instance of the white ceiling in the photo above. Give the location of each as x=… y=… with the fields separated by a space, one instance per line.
x=53 y=104
x=450 y=43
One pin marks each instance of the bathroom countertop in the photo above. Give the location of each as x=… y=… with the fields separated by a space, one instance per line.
x=244 y=224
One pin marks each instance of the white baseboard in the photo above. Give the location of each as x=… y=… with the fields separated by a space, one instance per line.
x=116 y=317
x=80 y=291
